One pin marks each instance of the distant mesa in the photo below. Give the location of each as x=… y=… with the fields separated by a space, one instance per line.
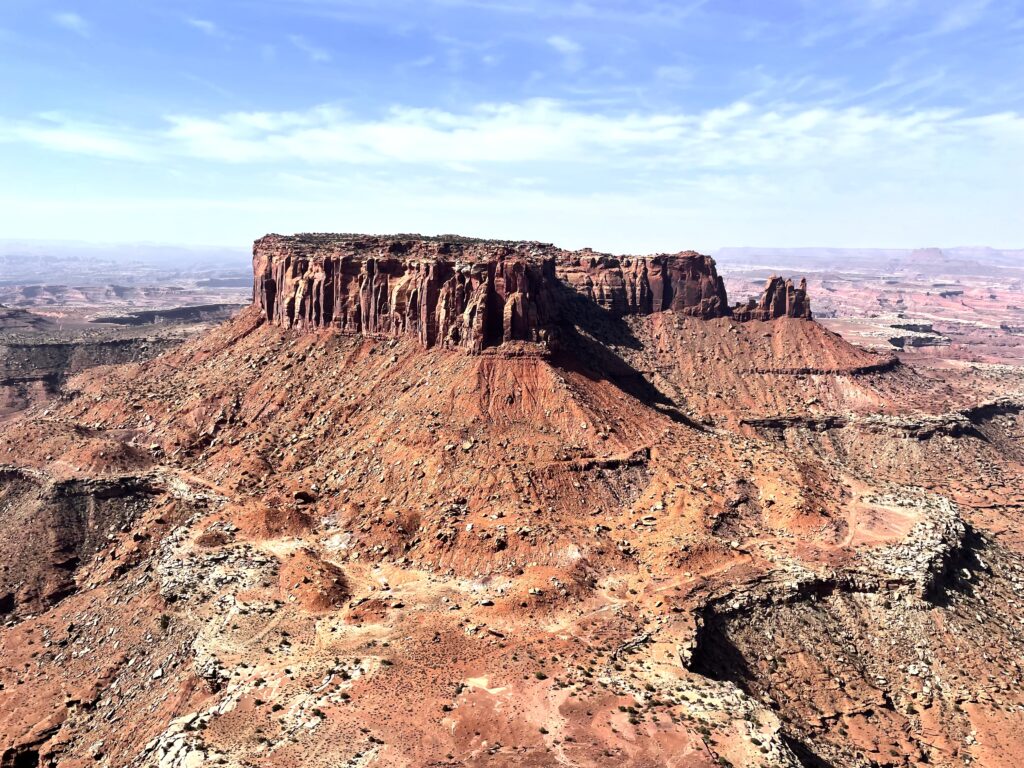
x=460 y=292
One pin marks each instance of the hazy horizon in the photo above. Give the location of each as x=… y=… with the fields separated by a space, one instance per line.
x=143 y=250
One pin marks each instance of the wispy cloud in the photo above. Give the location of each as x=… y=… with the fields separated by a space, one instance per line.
x=314 y=52
x=564 y=45
x=674 y=74
x=59 y=133
x=961 y=16
x=570 y=50
x=633 y=13
x=630 y=180
x=205 y=26
x=73 y=23
x=542 y=134
x=855 y=23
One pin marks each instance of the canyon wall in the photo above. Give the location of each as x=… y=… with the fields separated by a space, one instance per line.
x=687 y=283
x=444 y=293
x=473 y=294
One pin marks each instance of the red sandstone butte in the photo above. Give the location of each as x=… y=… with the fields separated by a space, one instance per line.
x=780 y=299
x=687 y=283
x=472 y=294
x=453 y=293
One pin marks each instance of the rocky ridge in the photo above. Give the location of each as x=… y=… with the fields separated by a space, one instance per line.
x=473 y=294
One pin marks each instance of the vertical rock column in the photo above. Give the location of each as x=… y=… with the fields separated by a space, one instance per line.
x=779 y=299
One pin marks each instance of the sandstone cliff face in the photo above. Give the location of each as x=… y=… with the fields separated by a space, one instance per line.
x=780 y=299
x=474 y=294
x=687 y=283
x=447 y=293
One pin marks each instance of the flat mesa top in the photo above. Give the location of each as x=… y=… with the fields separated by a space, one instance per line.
x=355 y=238
x=405 y=246
x=414 y=245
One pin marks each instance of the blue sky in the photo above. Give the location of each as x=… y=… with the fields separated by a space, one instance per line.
x=634 y=126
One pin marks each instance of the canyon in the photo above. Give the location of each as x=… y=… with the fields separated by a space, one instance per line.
x=74 y=308
x=440 y=501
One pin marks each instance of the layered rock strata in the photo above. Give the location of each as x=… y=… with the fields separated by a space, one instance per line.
x=780 y=299
x=443 y=292
x=473 y=294
x=687 y=283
